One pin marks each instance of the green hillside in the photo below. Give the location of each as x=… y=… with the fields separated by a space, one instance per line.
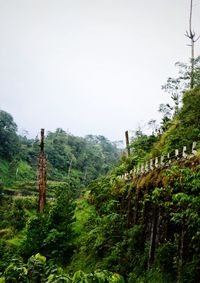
x=107 y=218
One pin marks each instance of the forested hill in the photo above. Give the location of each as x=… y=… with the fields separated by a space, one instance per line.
x=70 y=158
x=146 y=227
x=141 y=229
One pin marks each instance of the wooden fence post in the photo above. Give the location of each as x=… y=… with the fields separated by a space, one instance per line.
x=42 y=176
x=127 y=143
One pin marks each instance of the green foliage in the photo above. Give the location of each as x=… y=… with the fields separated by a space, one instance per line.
x=79 y=158
x=176 y=87
x=4 y=172
x=13 y=212
x=97 y=277
x=165 y=255
x=153 y=275
x=35 y=233
x=38 y=271
x=184 y=128
x=141 y=146
x=36 y=268
x=57 y=275
x=16 y=271
x=146 y=228
x=9 y=143
x=17 y=215
x=52 y=232
x=104 y=241
x=190 y=114
x=6 y=254
x=109 y=242
x=71 y=159
x=25 y=171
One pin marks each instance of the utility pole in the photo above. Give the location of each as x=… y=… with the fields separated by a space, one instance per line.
x=42 y=175
x=127 y=143
x=192 y=36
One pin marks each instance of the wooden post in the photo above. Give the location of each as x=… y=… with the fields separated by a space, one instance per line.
x=127 y=143
x=168 y=158
x=162 y=161
x=184 y=154
x=147 y=167
x=151 y=164
x=42 y=177
x=194 y=148
x=156 y=162
x=176 y=154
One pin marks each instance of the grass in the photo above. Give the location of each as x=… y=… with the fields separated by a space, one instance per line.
x=81 y=259
x=82 y=214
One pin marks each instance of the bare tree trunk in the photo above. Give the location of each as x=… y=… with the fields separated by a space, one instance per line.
x=191 y=35
x=42 y=181
x=192 y=46
x=127 y=143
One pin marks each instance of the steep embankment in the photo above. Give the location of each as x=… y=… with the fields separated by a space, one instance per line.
x=147 y=227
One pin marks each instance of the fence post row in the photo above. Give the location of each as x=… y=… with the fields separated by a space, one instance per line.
x=151 y=164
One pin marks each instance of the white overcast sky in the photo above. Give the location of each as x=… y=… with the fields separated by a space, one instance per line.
x=90 y=66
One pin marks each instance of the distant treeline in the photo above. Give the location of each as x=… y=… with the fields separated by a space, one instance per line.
x=69 y=157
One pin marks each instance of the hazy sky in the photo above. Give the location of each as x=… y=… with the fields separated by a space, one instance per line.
x=90 y=66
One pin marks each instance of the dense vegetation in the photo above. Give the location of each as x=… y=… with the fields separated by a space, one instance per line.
x=98 y=226
x=70 y=158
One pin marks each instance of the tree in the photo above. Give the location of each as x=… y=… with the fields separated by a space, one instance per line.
x=82 y=158
x=9 y=142
x=58 y=241
x=51 y=232
x=176 y=87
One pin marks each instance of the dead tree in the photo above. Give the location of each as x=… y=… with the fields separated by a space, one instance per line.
x=192 y=36
x=42 y=176
x=127 y=143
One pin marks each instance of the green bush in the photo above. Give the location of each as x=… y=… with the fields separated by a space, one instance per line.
x=165 y=255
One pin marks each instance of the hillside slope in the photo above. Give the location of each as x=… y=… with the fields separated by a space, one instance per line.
x=147 y=227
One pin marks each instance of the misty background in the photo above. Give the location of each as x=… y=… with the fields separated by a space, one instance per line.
x=88 y=66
